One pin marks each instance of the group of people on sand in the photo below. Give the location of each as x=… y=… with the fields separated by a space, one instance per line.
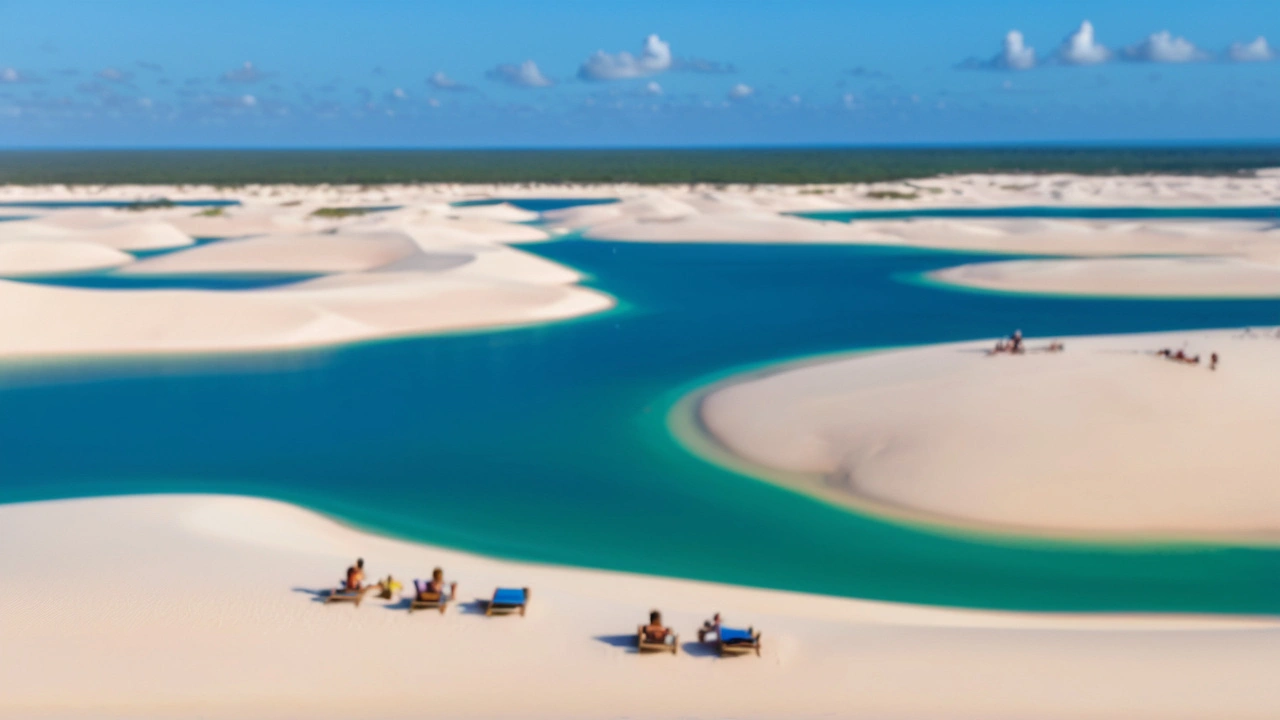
x=654 y=633
x=424 y=590
x=1014 y=346
x=1182 y=357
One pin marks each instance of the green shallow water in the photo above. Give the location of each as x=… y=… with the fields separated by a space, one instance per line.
x=551 y=443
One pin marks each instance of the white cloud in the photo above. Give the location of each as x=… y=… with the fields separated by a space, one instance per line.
x=1080 y=47
x=655 y=58
x=741 y=92
x=248 y=100
x=1017 y=55
x=441 y=81
x=526 y=74
x=11 y=75
x=433 y=102
x=246 y=73
x=1163 y=47
x=652 y=88
x=1256 y=51
x=399 y=94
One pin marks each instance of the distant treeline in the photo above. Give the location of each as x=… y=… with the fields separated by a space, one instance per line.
x=755 y=165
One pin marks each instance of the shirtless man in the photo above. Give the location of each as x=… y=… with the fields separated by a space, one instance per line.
x=655 y=631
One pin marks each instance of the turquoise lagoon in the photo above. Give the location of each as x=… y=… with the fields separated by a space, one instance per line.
x=552 y=444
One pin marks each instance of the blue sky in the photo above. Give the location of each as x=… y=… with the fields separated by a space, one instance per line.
x=86 y=73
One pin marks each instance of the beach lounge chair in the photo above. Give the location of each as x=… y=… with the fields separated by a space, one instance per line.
x=733 y=641
x=440 y=602
x=344 y=595
x=645 y=643
x=508 y=600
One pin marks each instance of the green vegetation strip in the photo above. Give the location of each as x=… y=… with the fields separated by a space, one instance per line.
x=761 y=165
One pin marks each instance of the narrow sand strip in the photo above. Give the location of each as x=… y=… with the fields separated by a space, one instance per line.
x=1102 y=438
x=1133 y=277
x=164 y=606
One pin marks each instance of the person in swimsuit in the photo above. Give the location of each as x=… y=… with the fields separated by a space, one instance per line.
x=433 y=589
x=355 y=577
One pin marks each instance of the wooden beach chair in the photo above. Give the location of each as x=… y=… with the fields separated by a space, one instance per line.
x=733 y=641
x=440 y=602
x=645 y=643
x=344 y=595
x=508 y=600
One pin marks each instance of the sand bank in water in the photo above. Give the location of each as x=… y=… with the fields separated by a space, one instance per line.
x=165 y=606
x=1103 y=438
x=1136 y=277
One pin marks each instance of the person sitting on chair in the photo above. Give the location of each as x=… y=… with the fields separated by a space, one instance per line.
x=656 y=632
x=355 y=577
x=433 y=589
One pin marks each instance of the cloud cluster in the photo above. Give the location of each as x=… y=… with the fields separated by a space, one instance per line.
x=653 y=59
x=1081 y=47
x=1163 y=47
x=1256 y=51
x=525 y=75
x=1016 y=55
x=741 y=91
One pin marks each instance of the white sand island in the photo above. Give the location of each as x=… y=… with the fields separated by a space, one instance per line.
x=165 y=606
x=1103 y=438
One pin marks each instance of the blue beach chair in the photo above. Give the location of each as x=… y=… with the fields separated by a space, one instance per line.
x=735 y=641
x=508 y=600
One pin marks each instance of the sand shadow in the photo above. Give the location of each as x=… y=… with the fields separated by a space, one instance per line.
x=401 y=604
x=317 y=595
x=700 y=649
x=626 y=642
x=475 y=607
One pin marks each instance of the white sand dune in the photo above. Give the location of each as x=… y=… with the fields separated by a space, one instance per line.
x=304 y=254
x=418 y=269
x=164 y=606
x=335 y=309
x=43 y=258
x=1152 y=277
x=1104 y=438
x=117 y=230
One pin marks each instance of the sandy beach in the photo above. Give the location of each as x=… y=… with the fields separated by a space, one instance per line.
x=158 y=606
